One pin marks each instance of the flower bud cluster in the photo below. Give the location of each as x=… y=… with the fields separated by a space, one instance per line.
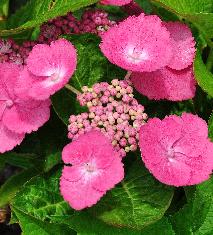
x=114 y=111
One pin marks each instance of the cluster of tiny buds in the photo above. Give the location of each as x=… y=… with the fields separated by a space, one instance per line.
x=92 y=21
x=114 y=111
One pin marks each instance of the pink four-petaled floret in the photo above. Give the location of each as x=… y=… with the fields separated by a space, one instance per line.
x=177 y=150
x=96 y=168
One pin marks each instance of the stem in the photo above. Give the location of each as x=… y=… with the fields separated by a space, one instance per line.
x=209 y=61
x=127 y=77
x=71 y=88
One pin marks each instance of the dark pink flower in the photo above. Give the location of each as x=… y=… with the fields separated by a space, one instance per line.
x=49 y=68
x=17 y=117
x=166 y=83
x=115 y=2
x=140 y=44
x=183 y=45
x=177 y=150
x=96 y=168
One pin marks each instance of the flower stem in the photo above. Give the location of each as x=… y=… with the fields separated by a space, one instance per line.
x=72 y=89
x=127 y=77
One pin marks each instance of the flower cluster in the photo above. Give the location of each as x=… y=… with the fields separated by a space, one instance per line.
x=160 y=54
x=114 y=111
x=92 y=21
x=177 y=150
x=25 y=90
x=96 y=168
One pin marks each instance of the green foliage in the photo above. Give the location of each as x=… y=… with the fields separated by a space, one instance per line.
x=32 y=226
x=132 y=204
x=14 y=183
x=202 y=75
x=200 y=13
x=196 y=216
x=92 y=67
x=36 y=12
x=211 y=127
x=138 y=201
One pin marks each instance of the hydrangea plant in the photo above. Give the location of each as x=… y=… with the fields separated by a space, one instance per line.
x=105 y=117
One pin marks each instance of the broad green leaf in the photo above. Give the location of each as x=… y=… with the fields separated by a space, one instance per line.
x=202 y=75
x=92 y=67
x=33 y=226
x=210 y=124
x=196 y=216
x=40 y=197
x=14 y=184
x=199 y=12
x=136 y=202
x=36 y=12
x=22 y=160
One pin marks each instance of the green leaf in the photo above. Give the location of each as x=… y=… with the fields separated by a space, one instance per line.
x=92 y=67
x=137 y=202
x=14 y=184
x=22 y=160
x=196 y=216
x=197 y=12
x=33 y=226
x=36 y=12
x=210 y=124
x=4 y=5
x=202 y=75
x=40 y=197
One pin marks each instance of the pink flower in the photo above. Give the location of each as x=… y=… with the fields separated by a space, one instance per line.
x=17 y=117
x=115 y=2
x=140 y=44
x=49 y=68
x=183 y=45
x=96 y=168
x=177 y=150
x=166 y=83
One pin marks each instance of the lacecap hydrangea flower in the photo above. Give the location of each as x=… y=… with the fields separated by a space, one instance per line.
x=175 y=81
x=96 y=168
x=115 y=2
x=17 y=116
x=48 y=69
x=140 y=44
x=177 y=150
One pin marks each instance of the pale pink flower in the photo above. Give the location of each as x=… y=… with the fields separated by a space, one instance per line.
x=115 y=2
x=17 y=117
x=166 y=83
x=177 y=150
x=183 y=45
x=140 y=44
x=49 y=68
x=96 y=168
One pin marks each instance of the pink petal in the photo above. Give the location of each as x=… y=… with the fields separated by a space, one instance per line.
x=166 y=84
x=8 y=73
x=140 y=44
x=115 y=2
x=183 y=45
x=28 y=116
x=9 y=139
x=86 y=148
x=110 y=177
x=80 y=194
